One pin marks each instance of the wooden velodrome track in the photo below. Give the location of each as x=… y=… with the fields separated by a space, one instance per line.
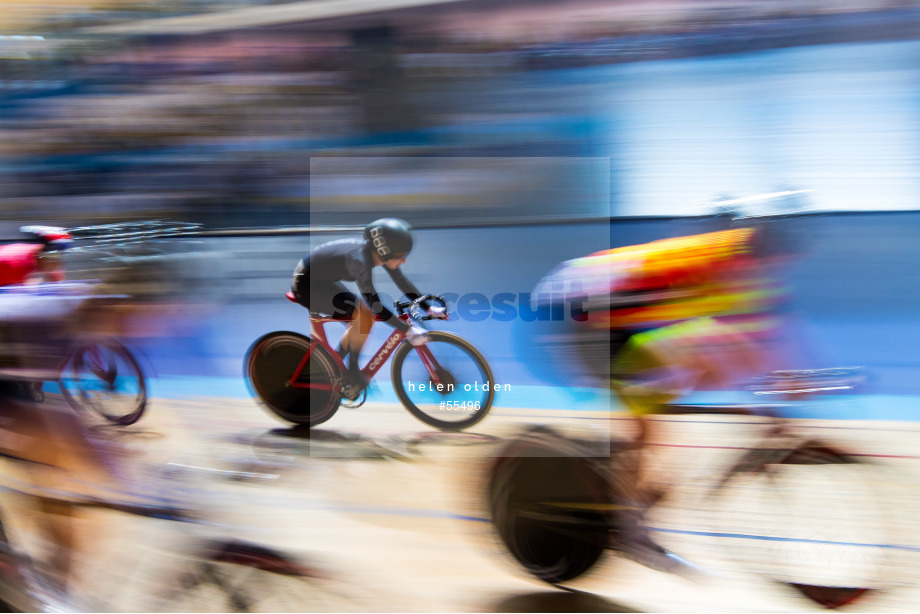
x=388 y=512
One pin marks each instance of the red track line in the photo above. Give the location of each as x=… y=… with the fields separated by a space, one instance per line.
x=677 y=445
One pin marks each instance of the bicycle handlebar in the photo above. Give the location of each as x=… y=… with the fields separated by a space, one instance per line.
x=414 y=307
x=808 y=381
x=788 y=384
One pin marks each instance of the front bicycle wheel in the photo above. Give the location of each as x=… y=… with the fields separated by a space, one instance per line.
x=446 y=383
x=812 y=519
x=270 y=365
x=104 y=377
x=549 y=506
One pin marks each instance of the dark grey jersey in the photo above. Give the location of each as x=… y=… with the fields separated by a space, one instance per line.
x=353 y=260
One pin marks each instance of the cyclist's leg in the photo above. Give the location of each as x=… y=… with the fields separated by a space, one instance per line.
x=657 y=367
x=644 y=382
x=335 y=299
x=329 y=298
x=649 y=372
x=646 y=376
x=358 y=330
x=342 y=304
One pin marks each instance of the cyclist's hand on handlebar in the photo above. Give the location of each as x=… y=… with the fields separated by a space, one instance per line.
x=438 y=313
x=417 y=336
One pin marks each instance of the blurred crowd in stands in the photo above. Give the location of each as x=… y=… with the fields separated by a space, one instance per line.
x=220 y=128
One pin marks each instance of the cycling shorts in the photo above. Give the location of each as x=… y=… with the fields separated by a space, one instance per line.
x=658 y=366
x=330 y=298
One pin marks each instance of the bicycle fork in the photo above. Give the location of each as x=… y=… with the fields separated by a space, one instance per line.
x=435 y=371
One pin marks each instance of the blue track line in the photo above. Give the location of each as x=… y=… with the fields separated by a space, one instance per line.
x=417 y=513
x=784 y=539
x=409 y=512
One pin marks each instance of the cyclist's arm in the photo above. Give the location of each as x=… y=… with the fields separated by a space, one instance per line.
x=370 y=296
x=407 y=287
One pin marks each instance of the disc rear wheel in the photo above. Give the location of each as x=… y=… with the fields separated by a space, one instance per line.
x=550 y=506
x=310 y=399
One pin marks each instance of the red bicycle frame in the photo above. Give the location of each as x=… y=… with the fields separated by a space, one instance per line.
x=317 y=326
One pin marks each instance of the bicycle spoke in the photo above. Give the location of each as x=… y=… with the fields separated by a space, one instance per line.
x=105 y=378
x=444 y=383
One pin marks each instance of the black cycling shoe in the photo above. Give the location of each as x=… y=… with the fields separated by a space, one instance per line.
x=353 y=384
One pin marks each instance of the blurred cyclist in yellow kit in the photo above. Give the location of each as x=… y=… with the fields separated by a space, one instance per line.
x=689 y=313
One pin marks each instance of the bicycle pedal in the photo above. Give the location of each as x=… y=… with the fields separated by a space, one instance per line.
x=354 y=403
x=353 y=396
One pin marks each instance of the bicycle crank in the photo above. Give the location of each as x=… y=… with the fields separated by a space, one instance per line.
x=352 y=399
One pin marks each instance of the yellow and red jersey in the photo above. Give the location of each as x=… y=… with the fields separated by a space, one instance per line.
x=670 y=280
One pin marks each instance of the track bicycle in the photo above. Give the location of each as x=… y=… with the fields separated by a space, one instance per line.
x=55 y=340
x=445 y=383
x=795 y=510
x=46 y=342
x=103 y=377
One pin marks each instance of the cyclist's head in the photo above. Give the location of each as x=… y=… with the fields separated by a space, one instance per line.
x=53 y=238
x=390 y=238
x=395 y=262
x=775 y=217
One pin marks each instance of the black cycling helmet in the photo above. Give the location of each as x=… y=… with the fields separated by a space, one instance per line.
x=389 y=237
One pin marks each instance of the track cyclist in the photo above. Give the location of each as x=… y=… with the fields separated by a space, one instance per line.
x=317 y=285
x=682 y=314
